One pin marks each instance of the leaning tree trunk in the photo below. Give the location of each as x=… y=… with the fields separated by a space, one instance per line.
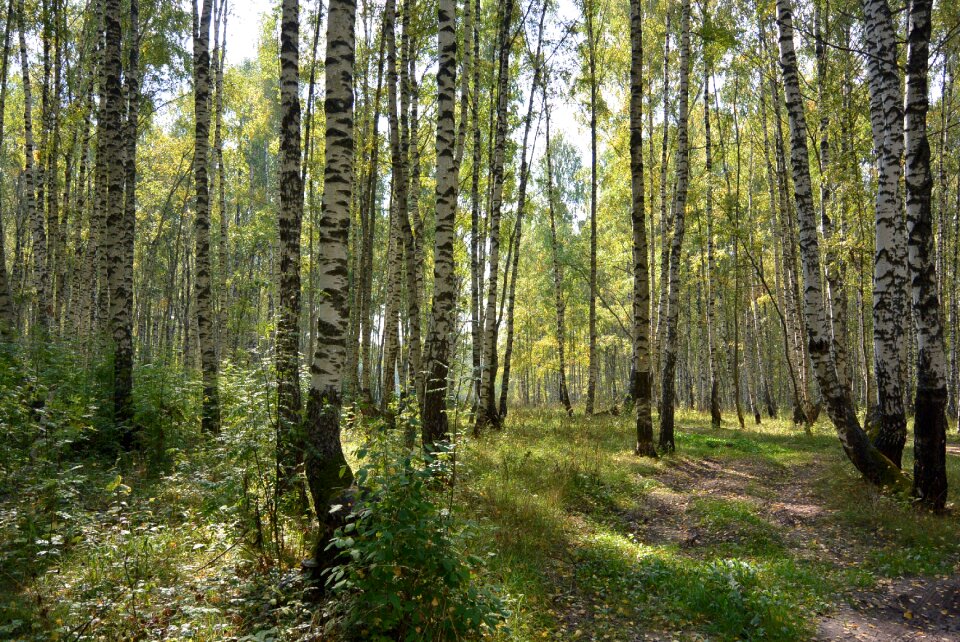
x=204 y=300
x=560 y=304
x=889 y=286
x=443 y=312
x=668 y=384
x=327 y=470
x=487 y=414
x=289 y=403
x=930 y=418
x=641 y=270
x=867 y=459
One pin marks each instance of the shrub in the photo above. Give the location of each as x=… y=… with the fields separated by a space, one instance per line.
x=405 y=573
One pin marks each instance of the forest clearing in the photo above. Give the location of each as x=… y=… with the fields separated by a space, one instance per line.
x=449 y=320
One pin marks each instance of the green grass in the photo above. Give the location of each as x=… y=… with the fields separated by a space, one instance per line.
x=556 y=495
x=584 y=539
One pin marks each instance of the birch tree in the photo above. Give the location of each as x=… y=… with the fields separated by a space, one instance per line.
x=326 y=468
x=930 y=417
x=670 y=312
x=204 y=299
x=876 y=467
x=443 y=311
x=289 y=404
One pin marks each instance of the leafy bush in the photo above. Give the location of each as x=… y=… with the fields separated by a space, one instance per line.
x=405 y=571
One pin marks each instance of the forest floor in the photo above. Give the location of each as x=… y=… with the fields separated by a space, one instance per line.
x=761 y=533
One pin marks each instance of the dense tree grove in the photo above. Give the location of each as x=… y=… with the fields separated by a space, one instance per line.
x=434 y=213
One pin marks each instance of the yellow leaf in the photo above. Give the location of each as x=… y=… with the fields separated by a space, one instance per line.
x=907 y=615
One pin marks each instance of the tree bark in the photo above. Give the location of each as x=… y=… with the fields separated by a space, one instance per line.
x=210 y=417
x=889 y=270
x=327 y=470
x=641 y=269
x=668 y=389
x=289 y=403
x=487 y=414
x=930 y=418
x=864 y=456
x=559 y=302
x=443 y=311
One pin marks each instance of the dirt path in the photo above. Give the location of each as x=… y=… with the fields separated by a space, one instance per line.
x=903 y=609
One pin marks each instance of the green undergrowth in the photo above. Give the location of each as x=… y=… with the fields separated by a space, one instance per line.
x=575 y=536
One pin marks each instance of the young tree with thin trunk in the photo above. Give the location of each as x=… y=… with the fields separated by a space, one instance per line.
x=715 y=416
x=559 y=302
x=641 y=269
x=930 y=417
x=513 y=267
x=670 y=315
x=328 y=473
x=592 y=367
x=289 y=404
x=210 y=416
x=34 y=210
x=8 y=319
x=487 y=414
x=867 y=459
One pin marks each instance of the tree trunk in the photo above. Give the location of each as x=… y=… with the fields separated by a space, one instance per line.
x=34 y=212
x=122 y=212
x=641 y=269
x=715 y=416
x=289 y=223
x=8 y=319
x=204 y=298
x=592 y=347
x=443 y=311
x=521 y=206
x=889 y=285
x=327 y=470
x=668 y=394
x=864 y=456
x=930 y=419
x=487 y=414
x=559 y=302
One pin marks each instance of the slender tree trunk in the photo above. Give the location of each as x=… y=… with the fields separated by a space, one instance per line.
x=443 y=311
x=289 y=404
x=204 y=298
x=34 y=211
x=487 y=412
x=559 y=302
x=122 y=202
x=668 y=384
x=715 y=416
x=666 y=224
x=592 y=347
x=864 y=456
x=641 y=269
x=327 y=470
x=8 y=319
x=521 y=206
x=476 y=278
x=930 y=423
